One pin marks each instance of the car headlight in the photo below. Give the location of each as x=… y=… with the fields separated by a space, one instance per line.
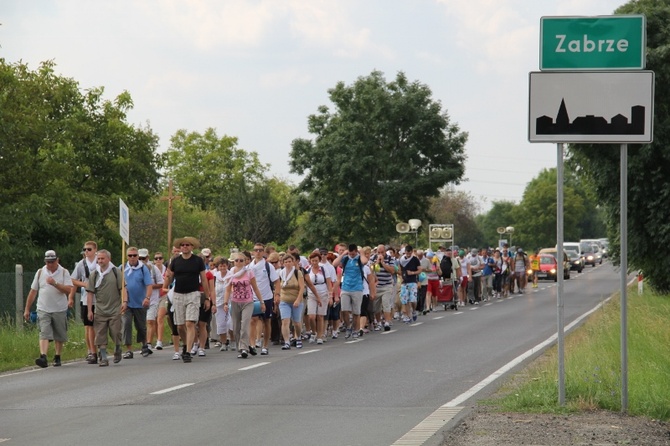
x=589 y=258
x=553 y=271
x=577 y=262
x=530 y=271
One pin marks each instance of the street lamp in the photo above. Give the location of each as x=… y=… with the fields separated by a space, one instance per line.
x=414 y=225
x=510 y=231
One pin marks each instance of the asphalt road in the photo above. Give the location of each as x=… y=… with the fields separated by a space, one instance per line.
x=367 y=392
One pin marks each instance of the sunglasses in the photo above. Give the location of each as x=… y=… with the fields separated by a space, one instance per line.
x=185 y=244
x=158 y=258
x=239 y=260
x=143 y=258
x=50 y=261
x=88 y=249
x=132 y=255
x=274 y=263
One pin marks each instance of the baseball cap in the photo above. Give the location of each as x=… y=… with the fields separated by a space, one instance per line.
x=50 y=255
x=206 y=252
x=143 y=252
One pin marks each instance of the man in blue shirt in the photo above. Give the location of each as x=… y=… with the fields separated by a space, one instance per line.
x=351 y=295
x=137 y=293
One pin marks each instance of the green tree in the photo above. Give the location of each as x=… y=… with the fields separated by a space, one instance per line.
x=375 y=160
x=648 y=164
x=205 y=167
x=501 y=215
x=67 y=158
x=535 y=217
x=460 y=209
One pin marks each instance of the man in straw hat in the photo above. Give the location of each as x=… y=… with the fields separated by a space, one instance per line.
x=189 y=274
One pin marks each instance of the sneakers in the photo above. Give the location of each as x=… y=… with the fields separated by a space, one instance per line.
x=42 y=361
x=286 y=346
x=298 y=344
x=414 y=315
x=406 y=319
x=387 y=327
x=378 y=327
x=319 y=341
x=159 y=345
x=194 y=349
x=117 y=357
x=243 y=354
x=362 y=332
x=224 y=347
x=334 y=335
x=176 y=356
x=92 y=358
x=186 y=357
x=201 y=352
x=312 y=339
x=348 y=334
x=57 y=362
x=354 y=335
x=145 y=352
x=396 y=316
x=103 y=363
x=128 y=355
x=252 y=351
x=264 y=351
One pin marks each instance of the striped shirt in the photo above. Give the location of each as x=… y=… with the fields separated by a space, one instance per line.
x=384 y=278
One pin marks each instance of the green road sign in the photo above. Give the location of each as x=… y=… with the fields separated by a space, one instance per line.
x=593 y=43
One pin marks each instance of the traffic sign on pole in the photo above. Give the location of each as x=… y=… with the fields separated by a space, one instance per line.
x=124 y=222
x=589 y=43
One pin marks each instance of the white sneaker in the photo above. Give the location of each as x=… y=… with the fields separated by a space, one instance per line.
x=201 y=352
x=159 y=345
x=312 y=339
x=194 y=350
x=319 y=341
x=176 y=356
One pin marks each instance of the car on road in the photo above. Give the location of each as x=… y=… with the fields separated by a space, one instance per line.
x=566 y=261
x=589 y=254
x=576 y=261
x=549 y=269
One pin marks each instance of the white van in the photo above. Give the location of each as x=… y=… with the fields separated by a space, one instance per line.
x=571 y=246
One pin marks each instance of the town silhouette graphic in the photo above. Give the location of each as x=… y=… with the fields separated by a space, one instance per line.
x=590 y=124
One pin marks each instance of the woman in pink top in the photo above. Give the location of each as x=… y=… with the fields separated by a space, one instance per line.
x=239 y=300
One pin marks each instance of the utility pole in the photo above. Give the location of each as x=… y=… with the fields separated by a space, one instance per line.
x=170 y=198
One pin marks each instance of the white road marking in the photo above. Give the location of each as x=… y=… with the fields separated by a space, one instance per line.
x=260 y=364
x=415 y=324
x=438 y=419
x=310 y=351
x=487 y=304
x=439 y=317
x=354 y=341
x=390 y=331
x=170 y=389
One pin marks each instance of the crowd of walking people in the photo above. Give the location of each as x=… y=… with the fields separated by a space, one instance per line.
x=250 y=300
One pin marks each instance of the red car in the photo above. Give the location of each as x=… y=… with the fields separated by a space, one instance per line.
x=548 y=268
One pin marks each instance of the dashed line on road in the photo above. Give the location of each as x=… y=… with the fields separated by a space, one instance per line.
x=171 y=389
x=260 y=364
x=310 y=351
x=354 y=341
x=389 y=332
x=438 y=317
x=415 y=324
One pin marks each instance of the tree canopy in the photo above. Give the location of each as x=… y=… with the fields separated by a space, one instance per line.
x=648 y=164
x=67 y=157
x=375 y=160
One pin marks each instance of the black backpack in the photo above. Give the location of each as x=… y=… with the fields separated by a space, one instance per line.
x=446 y=266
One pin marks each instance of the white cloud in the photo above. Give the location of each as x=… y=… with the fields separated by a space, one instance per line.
x=284 y=78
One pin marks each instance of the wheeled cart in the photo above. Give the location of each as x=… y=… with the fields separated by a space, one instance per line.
x=445 y=294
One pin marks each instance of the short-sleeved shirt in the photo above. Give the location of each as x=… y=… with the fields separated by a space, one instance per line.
x=290 y=286
x=384 y=278
x=425 y=266
x=79 y=273
x=137 y=281
x=187 y=273
x=260 y=270
x=108 y=296
x=242 y=291
x=412 y=264
x=49 y=299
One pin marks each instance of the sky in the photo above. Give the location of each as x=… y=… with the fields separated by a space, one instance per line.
x=257 y=69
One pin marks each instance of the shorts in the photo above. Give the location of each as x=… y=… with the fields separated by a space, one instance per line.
x=186 y=307
x=365 y=304
x=83 y=311
x=333 y=312
x=163 y=302
x=351 y=301
x=53 y=326
x=287 y=310
x=464 y=282
x=385 y=297
x=152 y=312
x=434 y=287
x=408 y=293
x=314 y=308
x=269 y=309
x=205 y=315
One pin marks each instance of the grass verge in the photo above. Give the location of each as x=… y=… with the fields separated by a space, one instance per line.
x=593 y=364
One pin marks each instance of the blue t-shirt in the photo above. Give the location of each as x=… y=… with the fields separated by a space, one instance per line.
x=136 y=285
x=490 y=265
x=352 y=279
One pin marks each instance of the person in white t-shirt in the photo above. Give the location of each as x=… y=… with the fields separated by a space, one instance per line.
x=80 y=279
x=52 y=286
x=267 y=280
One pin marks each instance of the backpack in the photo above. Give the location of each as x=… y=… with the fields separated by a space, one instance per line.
x=267 y=270
x=344 y=262
x=116 y=276
x=446 y=266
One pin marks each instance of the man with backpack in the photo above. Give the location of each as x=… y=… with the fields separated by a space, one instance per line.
x=80 y=276
x=267 y=280
x=138 y=289
x=105 y=283
x=351 y=295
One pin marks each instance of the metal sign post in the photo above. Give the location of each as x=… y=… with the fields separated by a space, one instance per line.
x=623 y=237
x=559 y=263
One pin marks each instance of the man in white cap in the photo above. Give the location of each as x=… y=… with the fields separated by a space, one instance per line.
x=52 y=284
